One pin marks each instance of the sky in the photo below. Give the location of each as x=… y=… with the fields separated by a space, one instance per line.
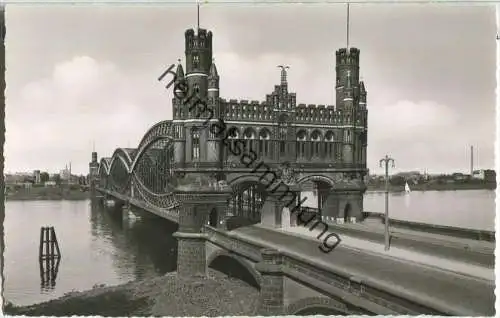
x=78 y=75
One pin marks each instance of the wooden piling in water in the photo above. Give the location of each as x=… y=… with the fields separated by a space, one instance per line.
x=49 y=246
x=49 y=257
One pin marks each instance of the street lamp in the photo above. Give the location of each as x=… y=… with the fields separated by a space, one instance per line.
x=385 y=162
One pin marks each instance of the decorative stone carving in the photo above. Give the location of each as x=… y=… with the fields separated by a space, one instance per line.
x=337 y=177
x=287 y=175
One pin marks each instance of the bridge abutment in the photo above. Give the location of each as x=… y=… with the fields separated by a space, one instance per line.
x=271 y=302
x=197 y=207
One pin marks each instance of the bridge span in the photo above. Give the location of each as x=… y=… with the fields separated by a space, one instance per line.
x=294 y=275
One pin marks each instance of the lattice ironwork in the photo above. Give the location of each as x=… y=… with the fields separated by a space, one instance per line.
x=161 y=129
x=153 y=166
x=118 y=179
x=164 y=201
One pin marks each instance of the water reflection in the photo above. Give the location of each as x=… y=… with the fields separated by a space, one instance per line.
x=100 y=247
x=142 y=243
x=48 y=273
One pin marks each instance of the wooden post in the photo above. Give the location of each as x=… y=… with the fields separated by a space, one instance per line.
x=49 y=246
x=49 y=257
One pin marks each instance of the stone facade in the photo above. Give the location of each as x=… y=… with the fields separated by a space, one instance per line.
x=313 y=140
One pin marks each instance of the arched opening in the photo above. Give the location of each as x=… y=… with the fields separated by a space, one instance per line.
x=318 y=310
x=347 y=212
x=212 y=218
x=234 y=268
x=322 y=189
x=246 y=205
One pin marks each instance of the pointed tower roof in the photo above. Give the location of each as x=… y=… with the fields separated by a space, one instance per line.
x=362 y=87
x=213 y=70
x=179 y=73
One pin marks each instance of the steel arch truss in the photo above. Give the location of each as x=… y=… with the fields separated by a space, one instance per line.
x=119 y=176
x=144 y=173
x=152 y=173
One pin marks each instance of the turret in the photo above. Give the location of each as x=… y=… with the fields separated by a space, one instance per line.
x=178 y=110
x=362 y=95
x=198 y=60
x=283 y=89
x=346 y=61
x=213 y=82
x=179 y=77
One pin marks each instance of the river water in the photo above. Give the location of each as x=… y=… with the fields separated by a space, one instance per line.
x=102 y=247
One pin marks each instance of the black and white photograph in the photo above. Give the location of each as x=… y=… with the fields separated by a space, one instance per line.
x=211 y=158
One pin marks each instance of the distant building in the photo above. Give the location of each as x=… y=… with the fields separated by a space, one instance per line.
x=50 y=183
x=65 y=174
x=36 y=175
x=460 y=176
x=486 y=175
x=27 y=185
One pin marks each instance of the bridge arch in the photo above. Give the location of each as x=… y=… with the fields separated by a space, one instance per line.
x=246 y=202
x=317 y=306
x=104 y=166
x=122 y=155
x=160 y=127
x=235 y=266
x=145 y=147
x=118 y=176
x=317 y=178
x=247 y=178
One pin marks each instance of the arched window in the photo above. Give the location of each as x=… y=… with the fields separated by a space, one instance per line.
x=301 y=144
x=195 y=142
x=196 y=61
x=329 y=144
x=250 y=136
x=264 y=137
x=282 y=139
x=315 y=144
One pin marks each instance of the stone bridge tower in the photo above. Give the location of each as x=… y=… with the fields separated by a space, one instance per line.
x=93 y=173
x=194 y=144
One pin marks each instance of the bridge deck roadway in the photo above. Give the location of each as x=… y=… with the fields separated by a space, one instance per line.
x=471 y=251
x=442 y=290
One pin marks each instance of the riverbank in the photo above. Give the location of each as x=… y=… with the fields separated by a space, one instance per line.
x=47 y=193
x=434 y=187
x=168 y=295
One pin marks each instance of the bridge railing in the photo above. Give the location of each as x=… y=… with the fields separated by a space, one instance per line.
x=327 y=276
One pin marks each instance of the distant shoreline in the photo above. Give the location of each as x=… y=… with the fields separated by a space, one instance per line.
x=48 y=193
x=434 y=187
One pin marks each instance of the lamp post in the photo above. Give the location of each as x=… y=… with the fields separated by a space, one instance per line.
x=385 y=162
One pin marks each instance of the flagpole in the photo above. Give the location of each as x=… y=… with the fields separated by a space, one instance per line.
x=347 y=28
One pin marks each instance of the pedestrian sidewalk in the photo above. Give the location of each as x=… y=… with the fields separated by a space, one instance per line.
x=378 y=227
x=397 y=253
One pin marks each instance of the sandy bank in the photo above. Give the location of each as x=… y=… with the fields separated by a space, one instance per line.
x=216 y=295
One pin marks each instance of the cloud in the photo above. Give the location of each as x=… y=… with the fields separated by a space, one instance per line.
x=417 y=134
x=58 y=117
